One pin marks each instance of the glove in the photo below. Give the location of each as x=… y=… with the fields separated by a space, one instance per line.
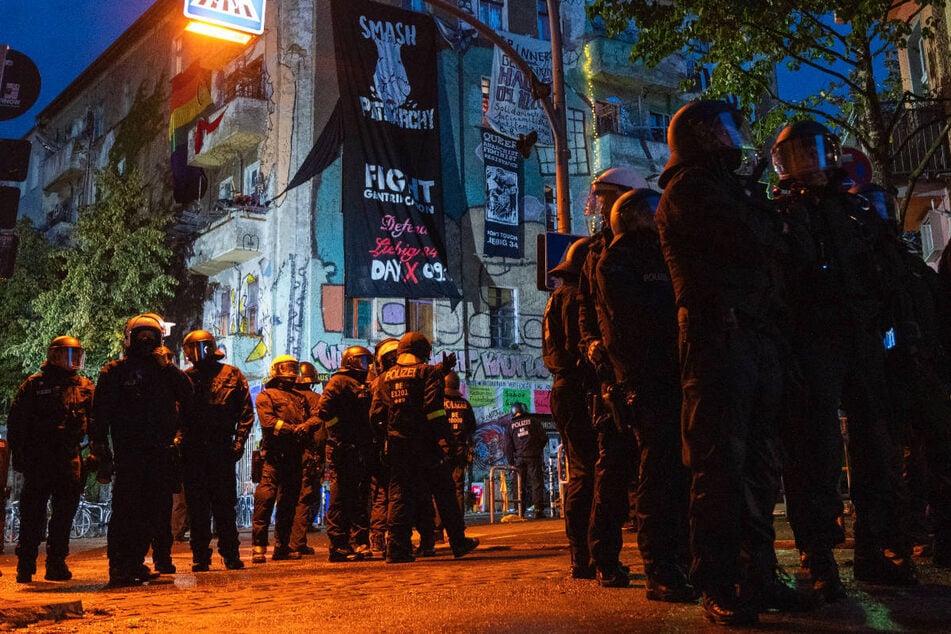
x=237 y=450
x=597 y=353
x=282 y=428
x=302 y=433
x=162 y=356
x=448 y=362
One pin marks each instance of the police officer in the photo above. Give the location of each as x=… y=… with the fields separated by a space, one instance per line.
x=138 y=403
x=285 y=423
x=462 y=427
x=918 y=371
x=721 y=247
x=312 y=468
x=525 y=442
x=215 y=431
x=344 y=411
x=384 y=359
x=836 y=296
x=572 y=378
x=408 y=400
x=640 y=334
x=46 y=424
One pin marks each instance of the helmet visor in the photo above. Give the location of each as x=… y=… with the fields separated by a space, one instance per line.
x=286 y=369
x=883 y=203
x=68 y=358
x=733 y=133
x=804 y=156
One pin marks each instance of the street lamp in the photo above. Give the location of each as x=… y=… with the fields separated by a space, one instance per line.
x=551 y=97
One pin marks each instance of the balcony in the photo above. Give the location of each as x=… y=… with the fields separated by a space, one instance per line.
x=228 y=132
x=63 y=212
x=917 y=131
x=232 y=240
x=640 y=151
x=607 y=62
x=66 y=165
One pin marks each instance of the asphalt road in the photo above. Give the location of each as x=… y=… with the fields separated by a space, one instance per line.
x=515 y=582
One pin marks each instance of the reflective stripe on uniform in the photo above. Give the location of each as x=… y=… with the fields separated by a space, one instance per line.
x=436 y=413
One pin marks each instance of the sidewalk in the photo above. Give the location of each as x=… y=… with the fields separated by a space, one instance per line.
x=515 y=581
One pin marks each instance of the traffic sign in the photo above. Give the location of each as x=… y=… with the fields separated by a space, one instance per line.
x=857 y=165
x=19 y=83
x=241 y=15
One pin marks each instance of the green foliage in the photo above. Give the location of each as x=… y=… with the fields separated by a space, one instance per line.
x=35 y=273
x=743 y=42
x=116 y=270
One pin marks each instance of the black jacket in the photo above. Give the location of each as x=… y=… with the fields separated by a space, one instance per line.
x=221 y=411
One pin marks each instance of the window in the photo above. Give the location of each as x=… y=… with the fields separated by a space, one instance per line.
x=178 y=52
x=544 y=26
x=658 y=126
x=358 y=318
x=226 y=189
x=492 y=14
x=419 y=316
x=413 y=5
x=251 y=307
x=252 y=179
x=607 y=117
x=917 y=59
x=224 y=311
x=577 y=145
x=502 y=327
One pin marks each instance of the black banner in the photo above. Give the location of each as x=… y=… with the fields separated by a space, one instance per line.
x=503 y=196
x=394 y=243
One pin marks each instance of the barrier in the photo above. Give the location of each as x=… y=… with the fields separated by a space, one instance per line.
x=503 y=489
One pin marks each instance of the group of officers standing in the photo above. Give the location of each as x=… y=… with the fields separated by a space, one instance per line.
x=386 y=441
x=704 y=342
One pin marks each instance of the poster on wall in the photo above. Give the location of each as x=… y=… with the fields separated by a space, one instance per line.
x=504 y=188
x=394 y=241
x=512 y=110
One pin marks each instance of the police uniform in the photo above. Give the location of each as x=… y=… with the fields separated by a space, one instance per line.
x=215 y=432
x=462 y=427
x=46 y=424
x=408 y=401
x=640 y=334
x=283 y=413
x=138 y=404
x=344 y=412
x=526 y=441
x=312 y=474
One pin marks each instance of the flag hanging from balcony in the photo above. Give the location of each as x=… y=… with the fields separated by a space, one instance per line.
x=503 y=196
x=512 y=110
x=190 y=99
x=394 y=243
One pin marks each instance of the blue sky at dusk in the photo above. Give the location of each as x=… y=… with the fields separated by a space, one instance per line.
x=62 y=37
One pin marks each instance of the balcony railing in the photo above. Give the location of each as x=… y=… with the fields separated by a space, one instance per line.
x=64 y=212
x=916 y=132
x=232 y=240
x=66 y=164
x=231 y=130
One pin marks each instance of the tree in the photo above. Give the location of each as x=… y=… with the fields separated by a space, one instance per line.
x=34 y=274
x=845 y=43
x=118 y=268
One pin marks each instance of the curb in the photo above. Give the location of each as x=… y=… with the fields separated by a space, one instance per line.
x=23 y=615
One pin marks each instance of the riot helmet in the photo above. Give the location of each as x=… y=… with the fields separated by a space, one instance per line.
x=605 y=189
x=67 y=353
x=806 y=153
x=880 y=200
x=200 y=347
x=308 y=374
x=415 y=344
x=712 y=133
x=634 y=209
x=386 y=353
x=451 y=384
x=143 y=334
x=574 y=259
x=356 y=359
x=519 y=410
x=285 y=367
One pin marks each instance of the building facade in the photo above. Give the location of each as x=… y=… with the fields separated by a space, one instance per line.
x=238 y=121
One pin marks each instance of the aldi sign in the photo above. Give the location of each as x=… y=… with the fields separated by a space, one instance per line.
x=241 y=15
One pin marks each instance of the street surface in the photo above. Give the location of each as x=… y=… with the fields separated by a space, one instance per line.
x=515 y=582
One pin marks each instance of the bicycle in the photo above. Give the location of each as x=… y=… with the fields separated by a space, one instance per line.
x=11 y=530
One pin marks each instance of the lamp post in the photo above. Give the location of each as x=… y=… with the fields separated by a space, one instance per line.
x=551 y=97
